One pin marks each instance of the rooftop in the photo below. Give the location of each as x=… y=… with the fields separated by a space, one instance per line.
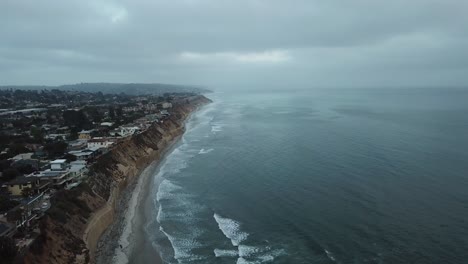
x=58 y=161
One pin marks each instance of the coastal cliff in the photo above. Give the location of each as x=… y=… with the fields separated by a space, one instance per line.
x=71 y=229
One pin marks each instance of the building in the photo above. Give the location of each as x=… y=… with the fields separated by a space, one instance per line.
x=125 y=131
x=85 y=154
x=107 y=124
x=57 y=136
x=17 y=185
x=78 y=169
x=57 y=179
x=77 y=144
x=164 y=105
x=58 y=165
x=84 y=134
x=99 y=143
x=23 y=156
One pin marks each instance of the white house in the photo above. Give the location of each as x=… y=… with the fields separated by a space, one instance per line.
x=97 y=143
x=125 y=131
x=59 y=164
x=107 y=124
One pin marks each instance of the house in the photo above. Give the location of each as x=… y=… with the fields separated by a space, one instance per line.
x=59 y=164
x=83 y=154
x=164 y=105
x=57 y=136
x=77 y=144
x=57 y=179
x=125 y=131
x=17 y=185
x=84 y=134
x=99 y=143
x=107 y=124
x=78 y=169
x=23 y=156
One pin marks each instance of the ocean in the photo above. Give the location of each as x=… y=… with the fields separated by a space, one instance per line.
x=317 y=176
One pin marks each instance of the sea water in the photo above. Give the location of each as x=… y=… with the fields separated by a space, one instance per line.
x=317 y=176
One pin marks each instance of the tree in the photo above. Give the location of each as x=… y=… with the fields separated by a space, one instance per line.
x=119 y=112
x=69 y=157
x=27 y=192
x=25 y=168
x=73 y=134
x=17 y=148
x=9 y=174
x=54 y=149
x=94 y=114
x=75 y=118
x=6 y=203
x=37 y=134
x=8 y=249
x=112 y=113
x=4 y=164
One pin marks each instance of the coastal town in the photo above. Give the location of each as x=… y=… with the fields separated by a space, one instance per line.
x=49 y=140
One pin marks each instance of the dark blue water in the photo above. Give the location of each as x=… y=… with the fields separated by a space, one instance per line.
x=323 y=176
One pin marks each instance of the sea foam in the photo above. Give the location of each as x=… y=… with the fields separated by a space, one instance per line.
x=203 y=151
x=231 y=229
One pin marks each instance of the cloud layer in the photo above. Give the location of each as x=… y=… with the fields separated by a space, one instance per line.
x=227 y=43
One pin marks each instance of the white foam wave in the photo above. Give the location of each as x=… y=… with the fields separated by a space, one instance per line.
x=259 y=253
x=183 y=245
x=330 y=255
x=282 y=112
x=176 y=161
x=231 y=229
x=203 y=151
x=216 y=128
x=245 y=261
x=225 y=253
x=167 y=189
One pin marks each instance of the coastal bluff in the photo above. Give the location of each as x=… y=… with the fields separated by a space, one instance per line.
x=72 y=227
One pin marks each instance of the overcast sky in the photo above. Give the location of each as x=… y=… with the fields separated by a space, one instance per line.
x=238 y=43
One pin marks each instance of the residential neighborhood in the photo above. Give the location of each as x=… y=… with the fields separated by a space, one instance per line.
x=50 y=138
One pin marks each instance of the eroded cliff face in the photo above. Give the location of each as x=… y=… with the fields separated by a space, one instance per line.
x=73 y=225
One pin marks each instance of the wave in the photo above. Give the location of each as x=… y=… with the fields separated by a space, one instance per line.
x=225 y=253
x=183 y=246
x=231 y=229
x=203 y=151
x=216 y=128
x=167 y=189
x=259 y=254
x=330 y=255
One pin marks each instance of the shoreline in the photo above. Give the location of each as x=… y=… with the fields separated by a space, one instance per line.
x=97 y=205
x=137 y=193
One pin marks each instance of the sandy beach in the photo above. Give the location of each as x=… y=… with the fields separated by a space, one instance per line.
x=126 y=240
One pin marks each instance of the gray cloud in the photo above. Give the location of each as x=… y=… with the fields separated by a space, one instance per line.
x=225 y=43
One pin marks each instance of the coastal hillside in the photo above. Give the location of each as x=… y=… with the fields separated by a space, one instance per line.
x=73 y=225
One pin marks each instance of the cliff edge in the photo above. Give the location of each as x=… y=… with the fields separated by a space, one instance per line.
x=71 y=228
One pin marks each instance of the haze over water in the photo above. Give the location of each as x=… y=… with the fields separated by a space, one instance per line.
x=324 y=176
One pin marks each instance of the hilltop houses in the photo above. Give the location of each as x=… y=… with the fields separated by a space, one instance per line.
x=100 y=142
x=84 y=134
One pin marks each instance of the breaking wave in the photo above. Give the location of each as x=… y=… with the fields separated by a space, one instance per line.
x=231 y=229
